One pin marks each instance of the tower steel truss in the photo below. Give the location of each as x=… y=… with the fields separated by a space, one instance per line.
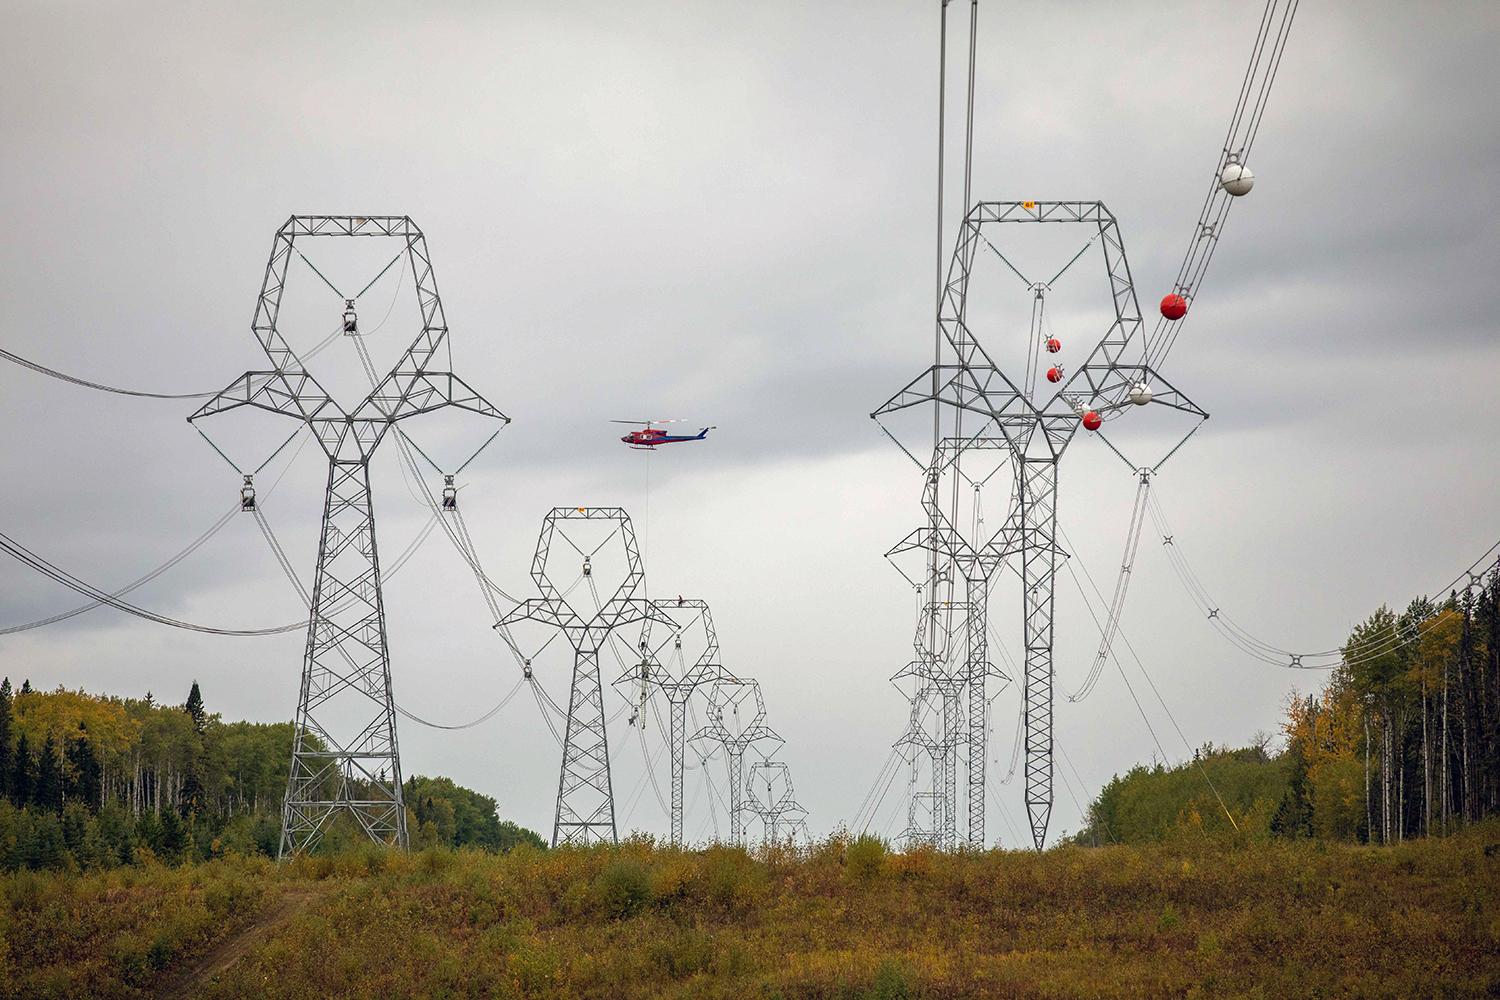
x=585 y=793
x=964 y=383
x=736 y=721
x=664 y=667
x=345 y=757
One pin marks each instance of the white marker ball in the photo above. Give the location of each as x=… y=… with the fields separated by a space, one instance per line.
x=1237 y=179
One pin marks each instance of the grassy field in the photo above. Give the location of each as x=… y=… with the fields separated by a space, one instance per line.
x=1268 y=919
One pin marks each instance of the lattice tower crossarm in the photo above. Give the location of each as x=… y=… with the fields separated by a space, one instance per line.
x=345 y=757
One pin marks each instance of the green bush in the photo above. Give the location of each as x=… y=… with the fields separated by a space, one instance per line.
x=624 y=887
x=681 y=953
x=729 y=877
x=891 y=982
x=865 y=857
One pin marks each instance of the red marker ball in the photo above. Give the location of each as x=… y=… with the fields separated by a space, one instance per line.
x=1054 y=345
x=1174 y=306
x=1054 y=374
x=1092 y=420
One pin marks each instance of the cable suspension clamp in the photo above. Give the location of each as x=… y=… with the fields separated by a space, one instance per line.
x=351 y=321
x=247 y=494
x=450 y=494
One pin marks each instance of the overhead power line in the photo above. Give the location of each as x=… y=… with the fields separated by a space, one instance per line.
x=88 y=384
x=27 y=557
x=1266 y=652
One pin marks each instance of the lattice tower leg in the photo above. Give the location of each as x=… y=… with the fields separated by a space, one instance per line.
x=585 y=795
x=978 y=671
x=952 y=714
x=736 y=796
x=344 y=752
x=913 y=817
x=1038 y=499
x=677 y=726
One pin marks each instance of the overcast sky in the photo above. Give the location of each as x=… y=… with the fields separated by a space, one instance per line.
x=724 y=213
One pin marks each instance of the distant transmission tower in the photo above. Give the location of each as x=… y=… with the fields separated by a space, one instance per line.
x=344 y=752
x=952 y=636
x=585 y=794
x=664 y=666
x=941 y=675
x=736 y=721
x=774 y=801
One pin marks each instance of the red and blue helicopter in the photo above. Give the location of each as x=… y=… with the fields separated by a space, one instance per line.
x=649 y=436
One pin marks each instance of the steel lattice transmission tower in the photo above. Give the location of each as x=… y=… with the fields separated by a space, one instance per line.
x=952 y=643
x=774 y=801
x=345 y=757
x=965 y=383
x=664 y=667
x=736 y=721
x=585 y=793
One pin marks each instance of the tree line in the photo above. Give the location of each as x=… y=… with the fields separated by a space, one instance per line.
x=1402 y=741
x=92 y=780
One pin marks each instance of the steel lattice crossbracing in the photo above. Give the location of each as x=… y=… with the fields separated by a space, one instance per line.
x=585 y=792
x=345 y=756
x=965 y=384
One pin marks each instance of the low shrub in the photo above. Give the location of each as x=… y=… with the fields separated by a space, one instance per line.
x=865 y=857
x=891 y=983
x=624 y=888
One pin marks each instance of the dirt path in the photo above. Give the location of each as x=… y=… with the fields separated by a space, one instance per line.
x=221 y=956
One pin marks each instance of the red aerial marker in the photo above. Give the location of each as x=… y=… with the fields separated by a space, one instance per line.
x=1174 y=306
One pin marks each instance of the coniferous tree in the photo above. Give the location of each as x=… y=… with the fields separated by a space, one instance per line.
x=1293 y=817
x=49 y=778
x=171 y=836
x=194 y=709
x=192 y=786
x=81 y=784
x=6 y=756
x=26 y=686
x=75 y=828
x=45 y=849
x=20 y=773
